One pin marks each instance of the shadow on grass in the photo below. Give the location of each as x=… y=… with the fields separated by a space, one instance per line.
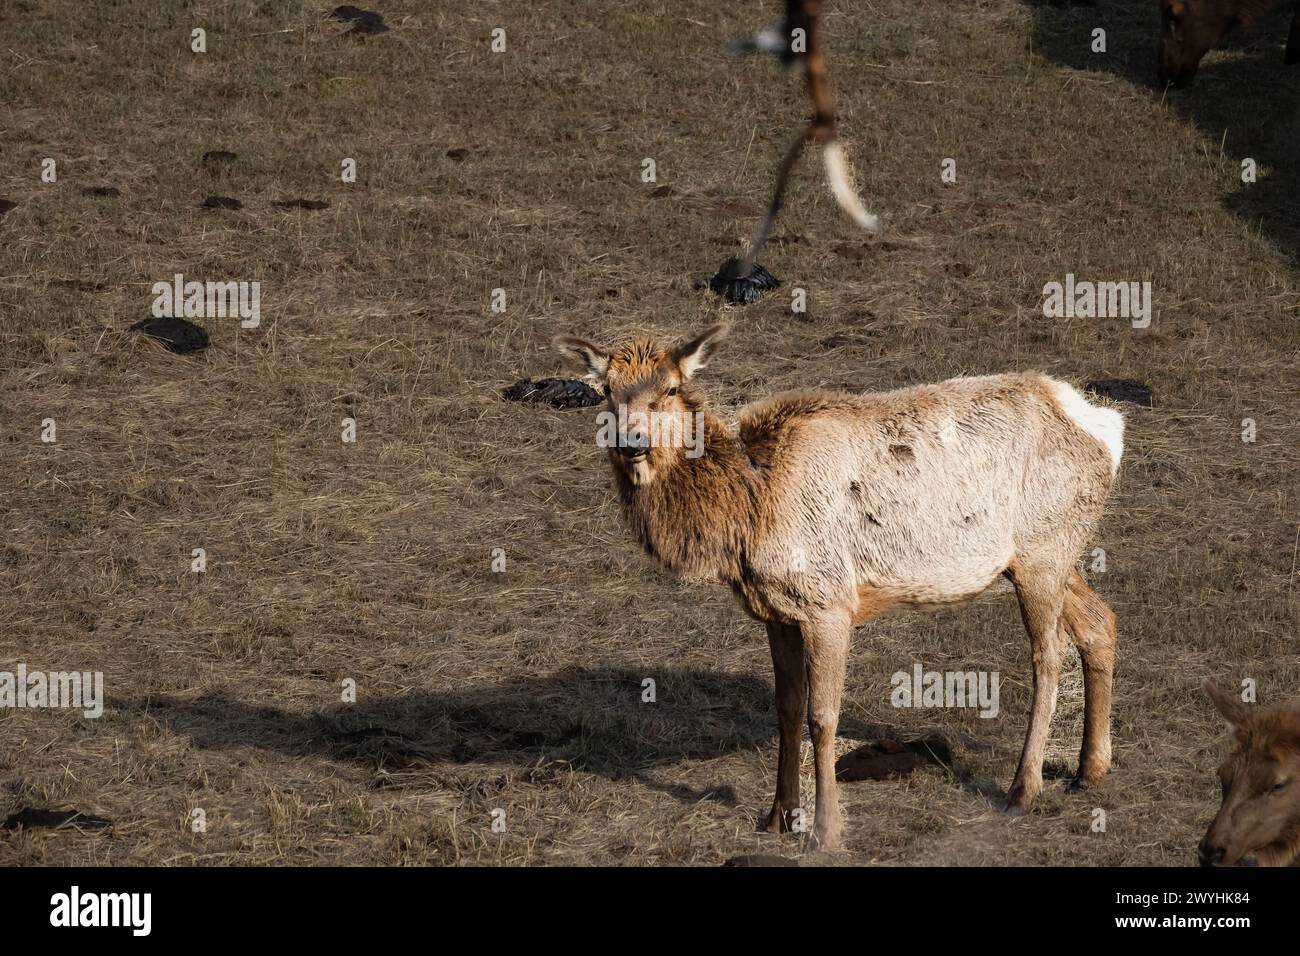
x=591 y=719
x=1247 y=102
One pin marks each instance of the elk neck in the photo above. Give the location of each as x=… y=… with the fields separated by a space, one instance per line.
x=695 y=516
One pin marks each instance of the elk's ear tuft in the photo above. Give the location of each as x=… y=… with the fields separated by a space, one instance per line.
x=591 y=360
x=1227 y=704
x=694 y=355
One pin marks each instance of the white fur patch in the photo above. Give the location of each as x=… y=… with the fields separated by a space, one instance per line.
x=837 y=171
x=1104 y=424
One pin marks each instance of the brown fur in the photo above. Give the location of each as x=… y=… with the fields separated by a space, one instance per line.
x=1258 y=822
x=1192 y=28
x=823 y=509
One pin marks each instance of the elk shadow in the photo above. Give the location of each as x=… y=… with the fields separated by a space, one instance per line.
x=592 y=719
x=1248 y=103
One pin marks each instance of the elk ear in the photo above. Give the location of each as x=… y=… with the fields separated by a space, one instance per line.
x=694 y=355
x=591 y=360
x=1227 y=704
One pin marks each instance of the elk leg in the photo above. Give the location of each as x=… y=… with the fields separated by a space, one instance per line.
x=1087 y=621
x=1041 y=594
x=826 y=650
x=791 y=704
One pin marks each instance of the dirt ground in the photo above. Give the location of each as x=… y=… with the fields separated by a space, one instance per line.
x=371 y=561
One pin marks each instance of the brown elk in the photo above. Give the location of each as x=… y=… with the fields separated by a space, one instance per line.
x=823 y=509
x=1259 y=820
x=1191 y=28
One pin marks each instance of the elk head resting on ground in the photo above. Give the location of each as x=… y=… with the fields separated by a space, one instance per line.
x=823 y=509
x=1259 y=821
x=1192 y=28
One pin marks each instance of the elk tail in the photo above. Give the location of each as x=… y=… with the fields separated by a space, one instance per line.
x=837 y=171
x=823 y=127
x=804 y=16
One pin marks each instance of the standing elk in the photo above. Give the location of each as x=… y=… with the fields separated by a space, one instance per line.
x=823 y=509
x=1192 y=28
x=1259 y=821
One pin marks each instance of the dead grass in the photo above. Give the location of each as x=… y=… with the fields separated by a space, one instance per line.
x=521 y=691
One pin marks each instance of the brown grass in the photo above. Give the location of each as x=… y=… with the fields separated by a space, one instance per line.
x=372 y=561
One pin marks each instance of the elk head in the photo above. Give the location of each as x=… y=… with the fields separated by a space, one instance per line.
x=1259 y=821
x=655 y=412
x=1189 y=30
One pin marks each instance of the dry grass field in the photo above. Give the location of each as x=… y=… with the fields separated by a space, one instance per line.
x=371 y=561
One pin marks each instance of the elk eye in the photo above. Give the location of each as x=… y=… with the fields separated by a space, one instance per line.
x=605 y=389
x=672 y=391
x=1279 y=787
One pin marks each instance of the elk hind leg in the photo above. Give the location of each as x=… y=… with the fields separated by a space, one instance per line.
x=1088 y=622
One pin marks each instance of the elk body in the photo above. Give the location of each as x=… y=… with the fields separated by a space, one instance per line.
x=1192 y=28
x=1259 y=820
x=825 y=509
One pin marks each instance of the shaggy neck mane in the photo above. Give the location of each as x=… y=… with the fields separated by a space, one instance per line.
x=695 y=515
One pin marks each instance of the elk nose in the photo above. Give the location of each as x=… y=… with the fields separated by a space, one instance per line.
x=1210 y=855
x=633 y=444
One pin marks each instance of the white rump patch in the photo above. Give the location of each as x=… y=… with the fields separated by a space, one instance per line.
x=837 y=171
x=1104 y=424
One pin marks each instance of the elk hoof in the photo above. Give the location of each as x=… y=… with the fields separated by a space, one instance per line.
x=1019 y=802
x=778 y=821
x=1085 y=780
x=832 y=838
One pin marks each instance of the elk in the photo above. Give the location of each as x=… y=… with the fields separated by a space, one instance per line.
x=1191 y=28
x=823 y=509
x=1259 y=820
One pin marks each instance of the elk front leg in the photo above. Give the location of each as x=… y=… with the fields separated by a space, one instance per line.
x=826 y=650
x=791 y=705
x=1041 y=596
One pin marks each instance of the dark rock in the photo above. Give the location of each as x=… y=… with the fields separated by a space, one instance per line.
x=33 y=818
x=364 y=22
x=178 y=335
x=6 y=205
x=742 y=290
x=300 y=203
x=557 y=392
x=108 y=192
x=891 y=758
x=459 y=153
x=221 y=202
x=219 y=156
x=1121 y=390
